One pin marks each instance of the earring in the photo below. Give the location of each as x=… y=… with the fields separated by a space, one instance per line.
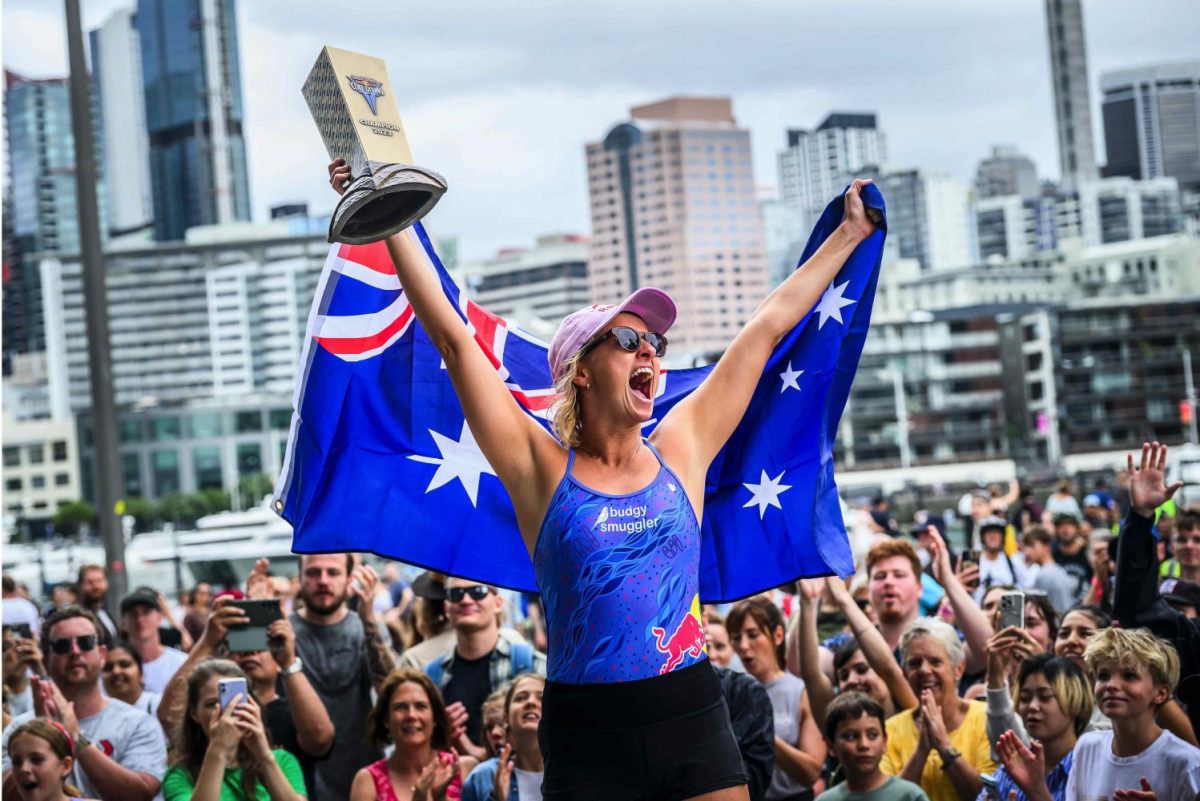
x=587 y=385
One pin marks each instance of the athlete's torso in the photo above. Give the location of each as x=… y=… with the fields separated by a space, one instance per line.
x=619 y=577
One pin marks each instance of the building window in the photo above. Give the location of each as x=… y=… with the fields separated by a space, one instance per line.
x=61 y=479
x=248 y=421
x=165 y=468
x=37 y=454
x=60 y=451
x=12 y=457
x=281 y=419
x=206 y=425
x=131 y=431
x=207 y=463
x=249 y=459
x=164 y=429
x=13 y=484
x=38 y=482
x=131 y=473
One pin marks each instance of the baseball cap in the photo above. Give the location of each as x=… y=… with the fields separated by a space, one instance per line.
x=1181 y=591
x=139 y=597
x=654 y=306
x=992 y=522
x=430 y=586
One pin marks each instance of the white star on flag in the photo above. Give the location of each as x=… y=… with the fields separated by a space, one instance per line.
x=766 y=493
x=789 y=377
x=831 y=304
x=461 y=459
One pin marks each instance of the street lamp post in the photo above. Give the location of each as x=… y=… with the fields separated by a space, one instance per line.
x=104 y=414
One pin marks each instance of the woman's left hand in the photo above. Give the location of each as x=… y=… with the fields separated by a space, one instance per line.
x=248 y=718
x=932 y=713
x=436 y=777
x=860 y=220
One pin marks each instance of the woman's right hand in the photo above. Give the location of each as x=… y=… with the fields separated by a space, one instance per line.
x=224 y=733
x=999 y=656
x=219 y=620
x=503 y=778
x=339 y=175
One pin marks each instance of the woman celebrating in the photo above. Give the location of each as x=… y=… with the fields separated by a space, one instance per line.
x=227 y=755
x=411 y=714
x=612 y=520
x=515 y=774
x=941 y=745
x=757 y=629
x=1054 y=699
x=42 y=757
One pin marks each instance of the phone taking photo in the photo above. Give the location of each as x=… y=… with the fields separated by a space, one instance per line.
x=228 y=689
x=1012 y=610
x=252 y=636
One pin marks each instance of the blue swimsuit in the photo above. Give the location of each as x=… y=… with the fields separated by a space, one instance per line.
x=619 y=577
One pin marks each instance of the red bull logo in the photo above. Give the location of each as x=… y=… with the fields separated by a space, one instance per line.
x=687 y=639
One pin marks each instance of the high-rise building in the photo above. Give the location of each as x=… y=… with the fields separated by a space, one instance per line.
x=786 y=228
x=1006 y=172
x=193 y=95
x=1120 y=209
x=533 y=288
x=673 y=205
x=123 y=146
x=1072 y=100
x=930 y=218
x=817 y=164
x=1152 y=122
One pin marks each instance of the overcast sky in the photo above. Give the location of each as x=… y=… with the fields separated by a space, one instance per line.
x=501 y=98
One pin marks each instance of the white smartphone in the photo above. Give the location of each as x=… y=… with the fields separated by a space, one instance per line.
x=1012 y=610
x=228 y=689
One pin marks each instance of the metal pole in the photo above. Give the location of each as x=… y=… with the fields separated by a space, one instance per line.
x=1190 y=387
x=95 y=296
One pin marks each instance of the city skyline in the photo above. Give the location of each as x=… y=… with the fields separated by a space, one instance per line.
x=504 y=106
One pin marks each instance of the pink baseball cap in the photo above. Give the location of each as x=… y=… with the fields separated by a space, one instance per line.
x=654 y=306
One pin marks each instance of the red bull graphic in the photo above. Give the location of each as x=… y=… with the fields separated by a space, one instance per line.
x=687 y=639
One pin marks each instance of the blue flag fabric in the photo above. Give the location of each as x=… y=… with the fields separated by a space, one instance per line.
x=380 y=459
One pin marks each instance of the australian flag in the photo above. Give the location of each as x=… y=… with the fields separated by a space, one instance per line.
x=380 y=458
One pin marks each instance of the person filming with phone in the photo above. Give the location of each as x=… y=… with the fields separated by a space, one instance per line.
x=223 y=751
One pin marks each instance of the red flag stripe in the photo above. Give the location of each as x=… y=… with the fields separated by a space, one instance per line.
x=374 y=256
x=338 y=345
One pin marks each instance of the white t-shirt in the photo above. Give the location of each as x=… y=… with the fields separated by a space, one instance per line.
x=529 y=784
x=1001 y=570
x=131 y=737
x=156 y=674
x=1170 y=765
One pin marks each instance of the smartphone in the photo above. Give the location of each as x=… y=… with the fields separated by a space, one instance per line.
x=22 y=631
x=990 y=788
x=228 y=689
x=968 y=556
x=252 y=636
x=1012 y=610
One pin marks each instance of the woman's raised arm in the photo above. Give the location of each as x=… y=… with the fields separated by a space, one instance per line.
x=700 y=424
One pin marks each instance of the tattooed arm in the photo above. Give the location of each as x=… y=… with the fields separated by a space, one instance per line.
x=378 y=653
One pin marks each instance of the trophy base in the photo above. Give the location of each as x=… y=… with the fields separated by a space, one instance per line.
x=387 y=199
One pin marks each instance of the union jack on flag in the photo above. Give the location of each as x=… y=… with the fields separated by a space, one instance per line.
x=380 y=458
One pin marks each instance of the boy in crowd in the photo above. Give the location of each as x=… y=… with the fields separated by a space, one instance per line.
x=856 y=733
x=1134 y=672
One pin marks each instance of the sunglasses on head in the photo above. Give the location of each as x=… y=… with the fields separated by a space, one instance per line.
x=477 y=592
x=627 y=338
x=62 y=645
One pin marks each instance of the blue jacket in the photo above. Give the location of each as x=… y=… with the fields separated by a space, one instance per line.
x=478 y=786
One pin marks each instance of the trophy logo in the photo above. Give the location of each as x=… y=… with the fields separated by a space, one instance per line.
x=387 y=192
x=369 y=88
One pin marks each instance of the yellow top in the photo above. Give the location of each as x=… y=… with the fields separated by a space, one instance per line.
x=970 y=738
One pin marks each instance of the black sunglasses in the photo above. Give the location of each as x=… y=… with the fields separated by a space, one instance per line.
x=628 y=339
x=62 y=645
x=477 y=592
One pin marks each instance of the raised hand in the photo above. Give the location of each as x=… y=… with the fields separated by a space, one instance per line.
x=248 y=718
x=860 y=220
x=339 y=175
x=436 y=777
x=281 y=640
x=932 y=712
x=362 y=583
x=217 y=626
x=1025 y=766
x=258 y=583
x=1148 y=489
x=504 y=772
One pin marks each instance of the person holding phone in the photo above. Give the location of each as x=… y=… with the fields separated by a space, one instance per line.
x=22 y=658
x=291 y=709
x=224 y=753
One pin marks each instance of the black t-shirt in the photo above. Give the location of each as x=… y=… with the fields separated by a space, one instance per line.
x=1077 y=566
x=471 y=683
x=278 y=720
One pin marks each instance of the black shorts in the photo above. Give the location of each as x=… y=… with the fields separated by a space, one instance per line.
x=665 y=738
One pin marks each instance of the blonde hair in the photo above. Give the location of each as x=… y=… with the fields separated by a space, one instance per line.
x=566 y=417
x=1133 y=648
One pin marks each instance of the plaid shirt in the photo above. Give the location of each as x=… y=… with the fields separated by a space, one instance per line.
x=500 y=668
x=1056 y=782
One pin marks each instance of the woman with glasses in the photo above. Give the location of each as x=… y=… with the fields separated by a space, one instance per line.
x=612 y=518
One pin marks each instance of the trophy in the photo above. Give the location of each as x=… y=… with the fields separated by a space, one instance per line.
x=353 y=104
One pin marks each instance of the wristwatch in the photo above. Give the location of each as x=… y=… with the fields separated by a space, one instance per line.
x=81 y=742
x=948 y=756
x=294 y=668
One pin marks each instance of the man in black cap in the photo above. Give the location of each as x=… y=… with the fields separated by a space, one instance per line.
x=1181 y=595
x=141 y=619
x=429 y=618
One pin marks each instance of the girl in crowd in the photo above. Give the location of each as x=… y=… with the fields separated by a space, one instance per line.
x=1054 y=700
x=720 y=650
x=122 y=676
x=941 y=745
x=42 y=757
x=493 y=728
x=863 y=663
x=227 y=755
x=515 y=774
x=606 y=368
x=757 y=628
x=411 y=714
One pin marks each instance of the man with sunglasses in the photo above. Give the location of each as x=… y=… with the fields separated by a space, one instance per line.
x=481 y=660
x=120 y=751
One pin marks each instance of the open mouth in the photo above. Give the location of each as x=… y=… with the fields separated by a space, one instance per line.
x=531 y=717
x=641 y=381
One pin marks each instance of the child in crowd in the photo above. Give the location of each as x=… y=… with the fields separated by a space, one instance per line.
x=1134 y=672
x=856 y=733
x=42 y=758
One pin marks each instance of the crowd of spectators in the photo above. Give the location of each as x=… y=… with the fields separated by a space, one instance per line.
x=1057 y=656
